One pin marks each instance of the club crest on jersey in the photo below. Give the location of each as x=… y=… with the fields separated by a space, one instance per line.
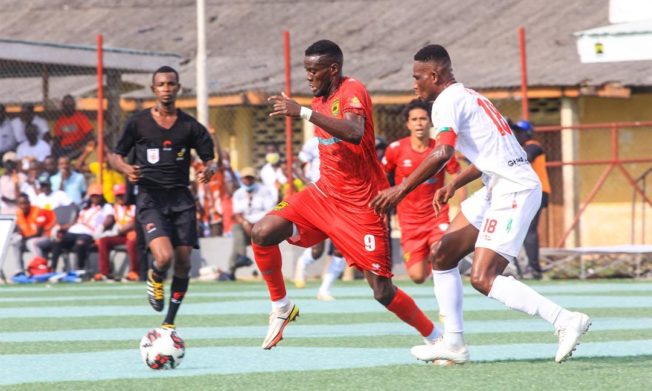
x=181 y=154
x=335 y=108
x=406 y=257
x=152 y=155
x=281 y=205
x=355 y=102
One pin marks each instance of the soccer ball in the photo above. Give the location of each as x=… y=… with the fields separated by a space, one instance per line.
x=162 y=348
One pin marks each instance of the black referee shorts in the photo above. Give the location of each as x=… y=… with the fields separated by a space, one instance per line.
x=170 y=213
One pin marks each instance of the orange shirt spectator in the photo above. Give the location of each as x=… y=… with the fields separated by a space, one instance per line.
x=33 y=227
x=36 y=220
x=73 y=129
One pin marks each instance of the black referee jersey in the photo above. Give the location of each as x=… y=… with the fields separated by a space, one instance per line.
x=163 y=155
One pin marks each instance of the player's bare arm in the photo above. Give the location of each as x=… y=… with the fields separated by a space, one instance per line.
x=349 y=129
x=430 y=166
x=132 y=172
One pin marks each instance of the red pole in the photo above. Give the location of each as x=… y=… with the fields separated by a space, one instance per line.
x=100 y=106
x=525 y=110
x=288 y=120
x=614 y=143
x=593 y=193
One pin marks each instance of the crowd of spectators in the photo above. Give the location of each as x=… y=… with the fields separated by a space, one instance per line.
x=51 y=181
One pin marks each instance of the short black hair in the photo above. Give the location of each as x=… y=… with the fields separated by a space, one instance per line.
x=326 y=48
x=434 y=53
x=416 y=104
x=23 y=195
x=165 y=69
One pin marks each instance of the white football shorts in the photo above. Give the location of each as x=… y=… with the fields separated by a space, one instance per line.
x=503 y=219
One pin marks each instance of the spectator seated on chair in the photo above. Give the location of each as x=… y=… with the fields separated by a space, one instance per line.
x=32 y=226
x=10 y=183
x=33 y=147
x=8 y=140
x=122 y=232
x=251 y=202
x=46 y=198
x=72 y=130
x=28 y=116
x=69 y=181
x=94 y=218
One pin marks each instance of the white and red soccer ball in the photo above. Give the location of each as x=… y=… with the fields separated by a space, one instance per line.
x=162 y=348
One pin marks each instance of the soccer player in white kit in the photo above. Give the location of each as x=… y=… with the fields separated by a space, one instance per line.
x=493 y=222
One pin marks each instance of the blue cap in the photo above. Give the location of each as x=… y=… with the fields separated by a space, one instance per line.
x=525 y=125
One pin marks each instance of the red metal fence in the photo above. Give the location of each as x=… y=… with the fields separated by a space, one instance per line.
x=614 y=161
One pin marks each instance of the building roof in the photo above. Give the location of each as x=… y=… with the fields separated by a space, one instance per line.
x=19 y=58
x=628 y=28
x=619 y=42
x=378 y=37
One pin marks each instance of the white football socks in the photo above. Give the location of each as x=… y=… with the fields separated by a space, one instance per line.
x=436 y=333
x=335 y=268
x=278 y=304
x=450 y=296
x=520 y=297
x=303 y=261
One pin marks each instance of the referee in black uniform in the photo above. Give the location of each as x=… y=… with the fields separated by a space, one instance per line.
x=162 y=137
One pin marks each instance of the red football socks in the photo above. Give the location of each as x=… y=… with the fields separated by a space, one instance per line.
x=268 y=259
x=406 y=309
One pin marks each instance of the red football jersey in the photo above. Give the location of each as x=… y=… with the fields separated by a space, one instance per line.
x=349 y=173
x=416 y=208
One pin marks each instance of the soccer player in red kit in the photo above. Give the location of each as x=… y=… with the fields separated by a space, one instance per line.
x=337 y=205
x=421 y=226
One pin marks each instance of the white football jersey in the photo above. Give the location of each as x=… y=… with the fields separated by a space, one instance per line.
x=310 y=155
x=484 y=137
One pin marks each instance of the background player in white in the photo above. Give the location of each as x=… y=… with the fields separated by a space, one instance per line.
x=493 y=221
x=309 y=156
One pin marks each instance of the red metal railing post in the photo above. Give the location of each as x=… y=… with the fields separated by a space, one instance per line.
x=288 y=120
x=579 y=214
x=614 y=143
x=100 y=106
x=614 y=161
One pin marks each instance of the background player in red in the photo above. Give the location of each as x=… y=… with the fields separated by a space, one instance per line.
x=336 y=206
x=421 y=226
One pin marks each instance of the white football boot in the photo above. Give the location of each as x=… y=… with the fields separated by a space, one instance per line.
x=278 y=320
x=440 y=353
x=570 y=334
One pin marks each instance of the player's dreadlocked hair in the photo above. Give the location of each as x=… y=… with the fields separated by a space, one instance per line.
x=165 y=69
x=434 y=53
x=326 y=48
x=416 y=104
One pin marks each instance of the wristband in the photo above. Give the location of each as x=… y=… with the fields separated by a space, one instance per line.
x=305 y=113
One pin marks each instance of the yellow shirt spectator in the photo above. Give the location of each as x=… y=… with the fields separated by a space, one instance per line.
x=110 y=179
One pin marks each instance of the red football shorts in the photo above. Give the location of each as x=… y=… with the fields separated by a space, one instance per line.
x=416 y=240
x=361 y=236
